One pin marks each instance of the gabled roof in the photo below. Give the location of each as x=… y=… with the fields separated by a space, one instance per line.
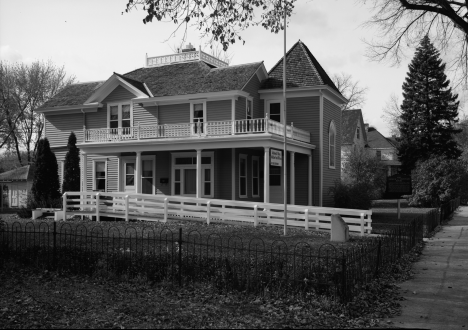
x=24 y=173
x=302 y=69
x=349 y=122
x=137 y=84
x=193 y=78
x=75 y=94
x=376 y=140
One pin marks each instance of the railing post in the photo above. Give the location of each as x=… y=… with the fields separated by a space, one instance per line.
x=138 y=131
x=126 y=208
x=84 y=133
x=255 y=215
x=64 y=205
x=165 y=209
x=208 y=212
x=97 y=207
x=362 y=224
x=266 y=123
x=306 y=219
x=292 y=131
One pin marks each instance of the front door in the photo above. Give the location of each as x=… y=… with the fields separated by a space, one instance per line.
x=14 y=198
x=198 y=115
x=129 y=175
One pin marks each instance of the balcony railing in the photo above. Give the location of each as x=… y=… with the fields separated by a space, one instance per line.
x=193 y=56
x=195 y=130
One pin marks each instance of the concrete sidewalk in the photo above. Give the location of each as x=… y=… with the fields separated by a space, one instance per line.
x=437 y=297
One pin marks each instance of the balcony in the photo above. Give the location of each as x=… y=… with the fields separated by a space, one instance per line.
x=184 y=57
x=195 y=130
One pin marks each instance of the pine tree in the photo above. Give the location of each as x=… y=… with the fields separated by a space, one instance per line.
x=45 y=188
x=71 y=180
x=429 y=110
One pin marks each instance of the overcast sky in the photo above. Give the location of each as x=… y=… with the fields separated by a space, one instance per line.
x=92 y=39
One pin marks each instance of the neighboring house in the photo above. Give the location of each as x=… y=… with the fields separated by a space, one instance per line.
x=384 y=149
x=188 y=124
x=354 y=133
x=15 y=185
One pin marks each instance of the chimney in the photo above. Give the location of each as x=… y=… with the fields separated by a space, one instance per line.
x=366 y=127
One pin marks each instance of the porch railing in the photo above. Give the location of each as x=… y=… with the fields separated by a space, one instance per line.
x=163 y=208
x=193 y=130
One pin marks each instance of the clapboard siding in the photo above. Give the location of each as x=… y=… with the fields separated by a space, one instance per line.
x=145 y=115
x=59 y=127
x=240 y=108
x=112 y=172
x=95 y=120
x=252 y=88
x=330 y=112
x=174 y=113
x=119 y=94
x=218 y=110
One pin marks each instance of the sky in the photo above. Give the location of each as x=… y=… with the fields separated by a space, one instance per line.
x=93 y=39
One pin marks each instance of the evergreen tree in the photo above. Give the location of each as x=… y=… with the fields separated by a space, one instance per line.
x=429 y=110
x=71 y=180
x=45 y=188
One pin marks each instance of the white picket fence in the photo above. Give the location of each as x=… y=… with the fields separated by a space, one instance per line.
x=164 y=208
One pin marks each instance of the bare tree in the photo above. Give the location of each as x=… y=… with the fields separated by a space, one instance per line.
x=220 y=20
x=403 y=23
x=392 y=113
x=24 y=88
x=351 y=90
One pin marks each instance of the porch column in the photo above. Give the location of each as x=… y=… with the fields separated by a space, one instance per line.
x=138 y=173
x=310 y=180
x=292 y=175
x=84 y=179
x=199 y=174
x=266 y=179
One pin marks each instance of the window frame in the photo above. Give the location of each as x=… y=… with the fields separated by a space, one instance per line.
x=332 y=131
x=267 y=108
x=119 y=115
x=245 y=157
x=192 y=103
x=95 y=161
x=247 y=100
x=256 y=175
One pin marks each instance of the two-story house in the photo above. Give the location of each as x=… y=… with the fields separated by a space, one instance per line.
x=188 y=124
x=384 y=149
x=354 y=133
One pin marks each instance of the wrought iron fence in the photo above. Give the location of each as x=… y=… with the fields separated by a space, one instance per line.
x=448 y=208
x=227 y=262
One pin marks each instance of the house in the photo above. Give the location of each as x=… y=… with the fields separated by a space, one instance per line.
x=354 y=133
x=189 y=124
x=15 y=185
x=384 y=149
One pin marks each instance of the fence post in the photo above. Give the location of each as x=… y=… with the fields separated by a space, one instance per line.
x=255 y=215
x=126 y=208
x=362 y=224
x=306 y=219
x=165 y=209
x=379 y=253
x=399 y=241
x=180 y=256
x=64 y=204
x=208 y=212
x=97 y=207
x=344 y=292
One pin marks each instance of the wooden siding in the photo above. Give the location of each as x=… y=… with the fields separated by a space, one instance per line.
x=218 y=110
x=59 y=127
x=330 y=112
x=252 y=88
x=95 y=120
x=145 y=115
x=174 y=113
x=304 y=113
x=240 y=108
x=119 y=94
x=112 y=172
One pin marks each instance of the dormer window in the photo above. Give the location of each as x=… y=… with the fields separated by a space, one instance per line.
x=119 y=115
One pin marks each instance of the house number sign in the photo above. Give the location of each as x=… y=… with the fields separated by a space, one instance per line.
x=276 y=157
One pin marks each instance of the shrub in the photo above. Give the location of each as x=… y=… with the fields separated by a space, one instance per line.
x=353 y=195
x=71 y=179
x=24 y=213
x=438 y=180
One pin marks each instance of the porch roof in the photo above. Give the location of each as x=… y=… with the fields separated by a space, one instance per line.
x=24 y=173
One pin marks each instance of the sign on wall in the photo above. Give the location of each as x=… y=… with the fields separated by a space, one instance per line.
x=276 y=157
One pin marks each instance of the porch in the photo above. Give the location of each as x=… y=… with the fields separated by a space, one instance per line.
x=195 y=130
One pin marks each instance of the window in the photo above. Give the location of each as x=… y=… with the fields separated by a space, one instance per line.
x=275 y=111
x=357 y=133
x=249 y=109
x=100 y=175
x=275 y=175
x=198 y=116
x=379 y=154
x=243 y=176
x=147 y=176
x=331 y=145
x=120 y=115
x=255 y=179
x=184 y=174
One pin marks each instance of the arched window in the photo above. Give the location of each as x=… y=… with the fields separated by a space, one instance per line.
x=331 y=145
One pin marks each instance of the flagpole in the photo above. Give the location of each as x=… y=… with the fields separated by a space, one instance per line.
x=285 y=181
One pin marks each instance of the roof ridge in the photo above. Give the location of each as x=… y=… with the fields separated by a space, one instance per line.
x=308 y=53
x=287 y=53
x=233 y=66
